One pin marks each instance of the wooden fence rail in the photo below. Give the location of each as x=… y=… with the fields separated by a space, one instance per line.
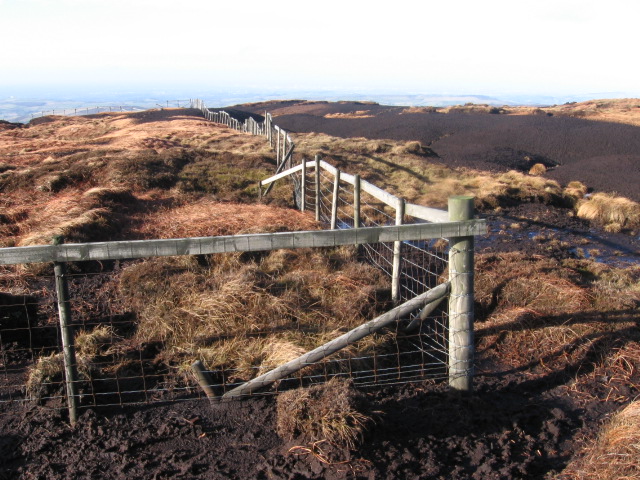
x=80 y=252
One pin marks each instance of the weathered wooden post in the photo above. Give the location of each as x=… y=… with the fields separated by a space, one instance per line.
x=397 y=255
x=356 y=201
x=334 y=201
x=204 y=379
x=461 y=311
x=278 y=148
x=66 y=332
x=303 y=185
x=284 y=145
x=317 y=175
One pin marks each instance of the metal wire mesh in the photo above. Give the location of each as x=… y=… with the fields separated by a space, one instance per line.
x=422 y=354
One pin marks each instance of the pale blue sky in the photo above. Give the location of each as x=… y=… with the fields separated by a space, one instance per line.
x=549 y=47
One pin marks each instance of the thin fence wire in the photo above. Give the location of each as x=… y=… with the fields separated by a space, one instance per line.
x=95 y=109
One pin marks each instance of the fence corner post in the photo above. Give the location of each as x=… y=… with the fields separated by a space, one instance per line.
x=461 y=310
x=66 y=332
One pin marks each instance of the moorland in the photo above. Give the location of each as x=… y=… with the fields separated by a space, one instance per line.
x=557 y=290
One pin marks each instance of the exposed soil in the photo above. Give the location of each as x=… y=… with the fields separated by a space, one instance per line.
x=602 y=154
x=515 y=425
x=519 y=423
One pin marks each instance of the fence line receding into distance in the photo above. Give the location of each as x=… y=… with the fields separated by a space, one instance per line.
x=426 y=262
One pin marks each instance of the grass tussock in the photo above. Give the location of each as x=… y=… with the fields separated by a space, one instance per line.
x=331 y=412
x=615 y=213
x=576 y=190
x=538 y=169
x=228 y=310
x=616 y=452
x=414 y=172
x=536 y=313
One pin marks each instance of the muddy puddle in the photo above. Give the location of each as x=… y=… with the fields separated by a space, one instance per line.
x=556 y=232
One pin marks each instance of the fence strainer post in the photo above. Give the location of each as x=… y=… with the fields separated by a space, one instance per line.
x=461 y=313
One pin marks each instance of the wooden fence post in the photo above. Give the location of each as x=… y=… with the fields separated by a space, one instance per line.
x=204 y=379
x=303 y=185
x=356 y=201
x=284 y=144
x=278 y=148
x=317 y=175
x=334 y=202
x=397 y=255
x=66 y=332
x=461 y=311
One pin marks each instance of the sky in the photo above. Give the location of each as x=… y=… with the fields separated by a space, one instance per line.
x=490 y=47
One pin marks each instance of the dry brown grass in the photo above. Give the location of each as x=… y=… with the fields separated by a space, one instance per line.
x=616 y=452
x=207 y=217
x=331 y=412
x=538 y=169
x=356 y=114
x=410 y=170
x=614 y=212
x=46 y=376
x=239 y=312
x=536 y=313
x=576 y=190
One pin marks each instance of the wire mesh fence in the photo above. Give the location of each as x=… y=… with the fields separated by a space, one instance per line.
x=95 y=109
x=423 y=264
x=138 y=326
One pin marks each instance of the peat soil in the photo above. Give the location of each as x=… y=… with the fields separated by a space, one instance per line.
x=538 y=229
x=516 y=425
x=603 y=155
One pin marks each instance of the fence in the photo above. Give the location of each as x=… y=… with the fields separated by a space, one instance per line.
x=341 y=200
x=95 y=109
x=70 y=336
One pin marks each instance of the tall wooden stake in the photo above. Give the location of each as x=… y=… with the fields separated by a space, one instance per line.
x=303 y=185
x=356 y=201
x=317 y=174
x=334 y=202
x=66 y=331
x=397 y=255
x=461 y=311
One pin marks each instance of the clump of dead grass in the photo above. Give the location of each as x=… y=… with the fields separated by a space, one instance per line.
x=615 y=213
x=331 y=412
x=46 y=376
x=244 y=313
x=538 y=169
x=616 y=452
x=576 y=190
x=536 y=312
